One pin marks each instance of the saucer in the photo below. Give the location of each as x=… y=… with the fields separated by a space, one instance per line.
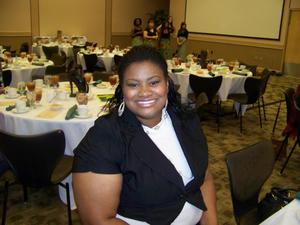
x=83 y=117
x=12 y=97
x=20 y=112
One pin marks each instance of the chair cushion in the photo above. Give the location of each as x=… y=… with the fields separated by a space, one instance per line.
x=241 y=98
x=62 y=170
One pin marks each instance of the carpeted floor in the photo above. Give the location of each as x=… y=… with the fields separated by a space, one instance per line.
x=44 y=206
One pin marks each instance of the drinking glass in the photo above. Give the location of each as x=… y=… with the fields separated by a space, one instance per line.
x=47 y=80
x=38 y=95
x=54 y=80
x=209 y=67
x=113 y=80
x=231 y=66
x=30 y=95
x=82 y=98
x=30 y=86
x=21 y=87
x=88 y=77
x=29 y=58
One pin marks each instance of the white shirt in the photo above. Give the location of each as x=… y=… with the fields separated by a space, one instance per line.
x=164 y=137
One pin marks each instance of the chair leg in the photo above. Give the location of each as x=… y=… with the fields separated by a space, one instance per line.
x=277 y=115
x=25 y=193
x=68 y=203
x=259 y=113
x=4 y=207
x=288 y=158
x=218 y=116
x=241 y=118
x=284 y=142
x=263 y=106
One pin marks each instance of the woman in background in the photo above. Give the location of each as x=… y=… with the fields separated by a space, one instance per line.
x=151 y=34
x=137 y=32
x=182 y=37
x=166 y=29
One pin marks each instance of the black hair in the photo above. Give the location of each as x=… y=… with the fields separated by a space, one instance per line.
x=136 y=20
x=141 y=54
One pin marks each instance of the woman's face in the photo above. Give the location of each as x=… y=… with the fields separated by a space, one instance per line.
x=170 y=19
x=151 y=24
x=145 y=91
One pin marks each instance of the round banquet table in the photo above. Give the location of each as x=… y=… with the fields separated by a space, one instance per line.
x=43 y=119
x=25 y=71
x=66 y=48
x=231 y=83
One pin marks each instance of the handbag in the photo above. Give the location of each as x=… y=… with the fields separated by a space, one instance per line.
x=274 y=200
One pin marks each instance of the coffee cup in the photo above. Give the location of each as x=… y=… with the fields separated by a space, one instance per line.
x=20 y=106
x=39 y=83
x=83 y=110
x=62 y=95
x=11 y=92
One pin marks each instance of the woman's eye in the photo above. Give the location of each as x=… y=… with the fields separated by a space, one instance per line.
x=132 y=85
x=154 y=83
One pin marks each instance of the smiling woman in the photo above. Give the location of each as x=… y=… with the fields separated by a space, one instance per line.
x=145 y=162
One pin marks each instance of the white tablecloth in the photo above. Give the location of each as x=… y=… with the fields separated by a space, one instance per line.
x=66 y=48
x=25 y=73
x=289 y=215
x=74 y=129
x=106 y=59
x=231 y=83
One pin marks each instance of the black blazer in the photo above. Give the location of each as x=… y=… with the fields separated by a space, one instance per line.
x=152 y=189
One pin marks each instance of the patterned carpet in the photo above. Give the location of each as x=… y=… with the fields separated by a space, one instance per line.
x=44 y=206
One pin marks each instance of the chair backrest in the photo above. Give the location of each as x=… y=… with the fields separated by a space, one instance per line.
x=252 y=69
x=252 y=88
x=24 y=47
x=59 y=59
x=265 y=78
x=50 y=50
x=33 y=157
x=117 y=60
x=6 y=76
x=90 y=61
x=248 y=170
x=207 y=85
x=289 y=101
x=55 y=70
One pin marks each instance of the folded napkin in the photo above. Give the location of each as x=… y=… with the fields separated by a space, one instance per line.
x=7 y=103
x=177 y=70
x=72 y=112
x=96 y=82
x=11 y=107
x=298 y=195
x=211 y=74
x=104 y=97
x=240 y=73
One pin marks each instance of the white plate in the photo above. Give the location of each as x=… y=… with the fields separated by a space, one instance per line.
x=12 y=97
x=25 y=111
x=83 y=117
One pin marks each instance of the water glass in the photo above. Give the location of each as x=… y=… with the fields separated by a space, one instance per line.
x=82 y=98
x=38 y=95
x=31 y=96
x=21 y=87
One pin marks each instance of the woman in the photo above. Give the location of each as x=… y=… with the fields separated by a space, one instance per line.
x=182 y=37
x=166 y=29
x=137 y=32
x=150 y=34
x=145 y=162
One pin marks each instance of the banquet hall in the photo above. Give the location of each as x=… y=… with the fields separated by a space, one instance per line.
x=248 y=53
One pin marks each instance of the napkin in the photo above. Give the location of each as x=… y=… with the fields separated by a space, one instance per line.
x=37 y=64
x=11 y=107
x=71 y=112
x=240 y=73
x=7 y=103
x=104 y=97
x=96 y=82
x=298 y=195
x=177 y=70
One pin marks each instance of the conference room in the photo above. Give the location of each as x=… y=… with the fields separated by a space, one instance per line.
x=234 y=64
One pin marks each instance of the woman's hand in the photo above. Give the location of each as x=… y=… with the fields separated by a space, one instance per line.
x=209 y=216
x=97 y=197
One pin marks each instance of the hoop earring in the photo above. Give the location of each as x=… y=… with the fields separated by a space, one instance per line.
x=166 y=105
x=121 y=108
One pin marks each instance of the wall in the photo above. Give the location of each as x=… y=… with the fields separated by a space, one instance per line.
x=73 y=17
x=295 y=4
x=123 y=13
x=15 y=26
x=267 y=53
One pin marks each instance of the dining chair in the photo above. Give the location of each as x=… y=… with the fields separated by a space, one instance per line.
x=50 y=50
x=37 y=161
x=6 y=76
x=117 y=60
x=210 y=86
x=24 y=47
x=91 y=61
x=252 y=93
x=248 y=169
x=59 y=59
x=265 y=78
x=76 y=49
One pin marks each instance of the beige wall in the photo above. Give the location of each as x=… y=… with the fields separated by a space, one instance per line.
x=269 y=53
x=124 y=11
x=295 y=4
x=73 y=17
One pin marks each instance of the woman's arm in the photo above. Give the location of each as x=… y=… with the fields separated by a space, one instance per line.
x=149 y=37
x=209 y=217
x=97 y=197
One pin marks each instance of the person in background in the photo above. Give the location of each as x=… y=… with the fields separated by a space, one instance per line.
x=59 y=36
x=137 y=32
x=150 y=34
x=165 y=30
x=146 y=161
x=182 y=37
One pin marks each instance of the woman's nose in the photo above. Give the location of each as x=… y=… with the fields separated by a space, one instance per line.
x=144 y=90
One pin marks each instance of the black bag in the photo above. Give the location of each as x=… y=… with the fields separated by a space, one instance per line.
x=274 y=201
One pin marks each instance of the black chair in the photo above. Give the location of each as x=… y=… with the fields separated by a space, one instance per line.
x=91 y=63
x=50 y=50
x=293 y=121
x=76 y=49
x=24 y=47
x=57 y=70
x=36 y=161
x=248 y=169
x=209 y=86
x=117 y=60
x=7 y=48
x=265 y=78
x=252 y=88
x=59 y=58
x=6 y=76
